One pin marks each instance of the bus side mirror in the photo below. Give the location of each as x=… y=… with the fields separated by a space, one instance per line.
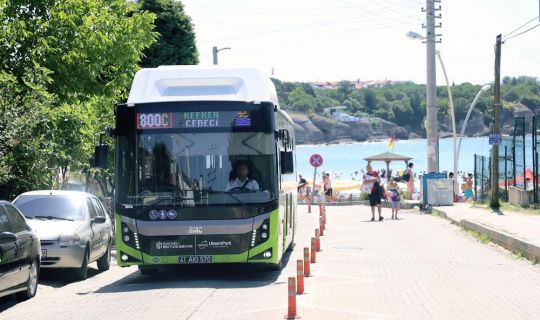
x=287 y=162
x=101 y=152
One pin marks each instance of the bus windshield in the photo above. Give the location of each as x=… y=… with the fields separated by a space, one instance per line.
x=196 y=169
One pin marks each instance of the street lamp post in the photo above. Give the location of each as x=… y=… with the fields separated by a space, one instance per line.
x=215 y=51
x=452 y=113
x=484 y=88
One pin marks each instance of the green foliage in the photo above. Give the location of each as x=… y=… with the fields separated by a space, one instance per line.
x=404 y=103
x=176 y=43
x=299 y=100
x=63 y=65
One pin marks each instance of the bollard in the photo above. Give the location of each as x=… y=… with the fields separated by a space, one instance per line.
x=309 y=208
x=291 y=310
x=318 y=242
x=313 y=250
x=320 y=210
x=306 y=262
x=321 y=226
x=300 y=276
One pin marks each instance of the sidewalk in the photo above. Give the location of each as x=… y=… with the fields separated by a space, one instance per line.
x=517 y=232
x=417 y=267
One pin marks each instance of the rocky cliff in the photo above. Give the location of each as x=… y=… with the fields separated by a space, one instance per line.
x=315 y=129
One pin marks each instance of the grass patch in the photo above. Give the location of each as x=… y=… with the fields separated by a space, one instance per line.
x=506 y=207
x=481 y=237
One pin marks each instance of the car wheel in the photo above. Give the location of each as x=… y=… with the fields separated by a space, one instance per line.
x=31 y=283
x=147 y=270
x=81 y=273
x=104 y=262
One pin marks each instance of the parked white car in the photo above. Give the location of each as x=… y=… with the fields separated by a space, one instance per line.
x=74 y=229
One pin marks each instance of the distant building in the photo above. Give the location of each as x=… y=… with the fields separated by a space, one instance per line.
x=341 y=116
x=358 y=84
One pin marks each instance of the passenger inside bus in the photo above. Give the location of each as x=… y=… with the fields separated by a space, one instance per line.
x=241 y=179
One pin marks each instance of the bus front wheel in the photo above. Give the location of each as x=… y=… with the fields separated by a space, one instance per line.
x=276 y=267
x=147 y=270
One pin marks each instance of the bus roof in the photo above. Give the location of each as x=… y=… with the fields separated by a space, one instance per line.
x=201 y=83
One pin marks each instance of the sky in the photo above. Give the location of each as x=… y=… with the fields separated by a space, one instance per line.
x=332 y=40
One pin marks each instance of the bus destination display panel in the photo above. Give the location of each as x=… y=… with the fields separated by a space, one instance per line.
x=194 y=119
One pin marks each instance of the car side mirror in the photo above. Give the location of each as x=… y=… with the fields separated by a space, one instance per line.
x=287 y=162
x=99 y=220
x=101 y=152
x=7 y=237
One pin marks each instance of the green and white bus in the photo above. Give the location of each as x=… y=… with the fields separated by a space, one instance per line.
x=204 y=169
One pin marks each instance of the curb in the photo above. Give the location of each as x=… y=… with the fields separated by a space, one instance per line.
x=384 y=204
x=509 y=242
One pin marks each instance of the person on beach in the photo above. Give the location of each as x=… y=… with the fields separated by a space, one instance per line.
x=454 y=186
x=327 y=187
x=410 y=182
x=467 y=188
x=372 y=181
x=367 y=180
x=393 y=190
x=302 y=192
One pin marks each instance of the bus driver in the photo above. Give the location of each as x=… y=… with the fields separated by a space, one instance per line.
x=240 y=179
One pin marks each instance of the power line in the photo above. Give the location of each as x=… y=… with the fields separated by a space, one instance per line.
x=509 y=33
x=516 y=35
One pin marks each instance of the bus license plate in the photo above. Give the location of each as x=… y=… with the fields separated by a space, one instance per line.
x=194 y=259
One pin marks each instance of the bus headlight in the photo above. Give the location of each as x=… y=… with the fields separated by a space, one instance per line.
x=131 y=238
x=261 y=234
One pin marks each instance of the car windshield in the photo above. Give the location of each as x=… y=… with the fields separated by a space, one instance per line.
x=198 y=169
x=51 y=207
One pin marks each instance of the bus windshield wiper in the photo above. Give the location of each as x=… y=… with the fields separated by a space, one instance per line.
x=53 y=218
x=230 y=194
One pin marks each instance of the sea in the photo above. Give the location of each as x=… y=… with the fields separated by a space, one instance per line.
x=345 y=161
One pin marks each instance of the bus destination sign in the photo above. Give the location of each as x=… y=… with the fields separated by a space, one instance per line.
x=194 y=119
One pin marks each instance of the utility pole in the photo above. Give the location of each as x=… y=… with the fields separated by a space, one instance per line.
x=215 y=51
x=432 y=131
x=214 y=55
x=494 y=199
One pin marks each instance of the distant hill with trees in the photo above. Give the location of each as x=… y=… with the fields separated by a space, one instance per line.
x=403 y=104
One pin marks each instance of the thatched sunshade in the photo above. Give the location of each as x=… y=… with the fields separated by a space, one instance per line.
x=388 y=157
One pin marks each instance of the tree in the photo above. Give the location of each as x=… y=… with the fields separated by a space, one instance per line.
x=370 y=100
x=344 y=89
x=64 y=64
x=176 y=43
x=301 y=101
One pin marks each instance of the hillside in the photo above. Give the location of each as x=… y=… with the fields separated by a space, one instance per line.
x=398 y=109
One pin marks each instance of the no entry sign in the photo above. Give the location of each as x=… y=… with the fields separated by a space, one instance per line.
x=316 y=160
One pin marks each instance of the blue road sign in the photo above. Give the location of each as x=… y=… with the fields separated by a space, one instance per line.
x=316 y=160
x=495 y=138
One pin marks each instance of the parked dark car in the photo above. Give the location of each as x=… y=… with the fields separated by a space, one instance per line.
x=20 y=253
